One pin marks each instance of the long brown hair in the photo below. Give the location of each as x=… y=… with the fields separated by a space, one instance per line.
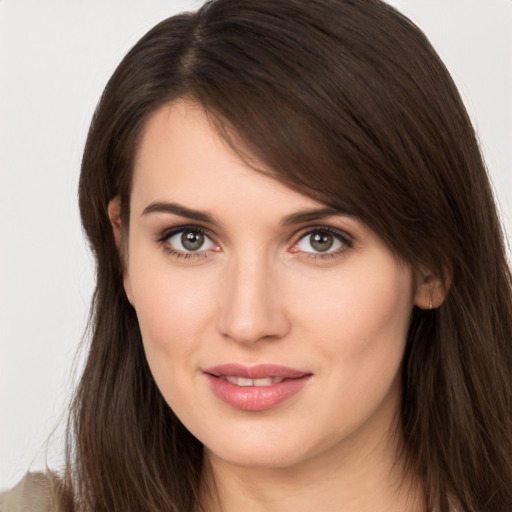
x=347 y=102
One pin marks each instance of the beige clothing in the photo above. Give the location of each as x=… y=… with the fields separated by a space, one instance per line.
x=37 y=492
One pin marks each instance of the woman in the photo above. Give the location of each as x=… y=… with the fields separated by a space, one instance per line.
x=302 y=296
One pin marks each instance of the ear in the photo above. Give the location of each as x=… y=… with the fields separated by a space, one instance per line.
x=114 y=215
x=431 y=290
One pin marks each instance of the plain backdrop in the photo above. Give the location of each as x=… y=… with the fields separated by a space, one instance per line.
x=55 y=58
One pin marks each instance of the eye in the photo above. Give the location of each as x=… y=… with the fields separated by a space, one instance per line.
x=322 y=241
x=186 y=241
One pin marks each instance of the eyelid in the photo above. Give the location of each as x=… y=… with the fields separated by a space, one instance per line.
x=168 y=232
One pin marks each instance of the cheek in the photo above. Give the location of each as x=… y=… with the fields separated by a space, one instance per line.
x=171 y=312
x=360 y=319
x=173 y=308
x=358 y=323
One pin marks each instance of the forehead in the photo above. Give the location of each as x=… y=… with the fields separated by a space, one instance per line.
x=182 y=158
x=178 y=137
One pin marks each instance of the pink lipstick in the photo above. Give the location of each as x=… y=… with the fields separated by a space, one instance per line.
x=255 y=388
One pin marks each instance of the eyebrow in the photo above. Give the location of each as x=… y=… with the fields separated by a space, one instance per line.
x=309 y=215
x=182 y=211
x=207 y=218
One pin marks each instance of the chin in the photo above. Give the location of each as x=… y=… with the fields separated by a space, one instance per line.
x=260 y=450
x=259 y=457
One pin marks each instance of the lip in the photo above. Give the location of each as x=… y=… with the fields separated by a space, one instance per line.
x=255 y=398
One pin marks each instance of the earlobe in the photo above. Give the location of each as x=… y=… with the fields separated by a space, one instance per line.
x=431 y=291
x=114 y=215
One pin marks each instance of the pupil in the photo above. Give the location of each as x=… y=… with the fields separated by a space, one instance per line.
x=321 y=242
x=192 y=241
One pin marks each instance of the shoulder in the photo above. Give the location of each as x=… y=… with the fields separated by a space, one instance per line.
x=37 y=492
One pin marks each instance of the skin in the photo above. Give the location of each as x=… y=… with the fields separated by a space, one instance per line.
x=256 y=292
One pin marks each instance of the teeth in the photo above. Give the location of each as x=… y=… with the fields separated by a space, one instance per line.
x=263 y=382
x=244 y=382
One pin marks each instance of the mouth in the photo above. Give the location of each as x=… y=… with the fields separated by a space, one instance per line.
x=255 y=388
x=255 y=373
x=245 y=382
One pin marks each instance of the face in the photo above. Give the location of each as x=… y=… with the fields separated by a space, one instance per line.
x=274 y=327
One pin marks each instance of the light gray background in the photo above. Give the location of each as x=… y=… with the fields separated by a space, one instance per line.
x=55 y=58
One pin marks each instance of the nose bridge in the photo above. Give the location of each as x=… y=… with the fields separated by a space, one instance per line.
x=252 y=307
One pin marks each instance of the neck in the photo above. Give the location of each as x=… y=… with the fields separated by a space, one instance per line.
x=346 y=478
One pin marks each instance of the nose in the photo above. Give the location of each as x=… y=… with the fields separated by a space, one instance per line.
x=252 y=308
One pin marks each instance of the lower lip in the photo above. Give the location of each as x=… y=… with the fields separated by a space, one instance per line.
x=255 y=398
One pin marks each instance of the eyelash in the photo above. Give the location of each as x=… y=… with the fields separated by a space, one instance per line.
x=344 y=238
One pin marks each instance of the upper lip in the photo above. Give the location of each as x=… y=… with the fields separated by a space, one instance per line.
x=260 y=371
